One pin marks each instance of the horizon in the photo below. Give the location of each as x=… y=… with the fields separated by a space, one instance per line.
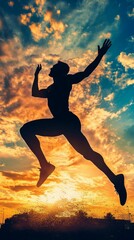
x=45 y=32
x=78 y=214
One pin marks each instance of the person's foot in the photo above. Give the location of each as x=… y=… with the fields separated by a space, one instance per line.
x=44 y=173
x=120 y=188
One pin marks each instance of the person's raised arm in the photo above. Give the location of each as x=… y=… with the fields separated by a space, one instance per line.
x=78 y=77
x=35 y=88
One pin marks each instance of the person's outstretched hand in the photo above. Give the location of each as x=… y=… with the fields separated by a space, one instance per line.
x=38 y=69
x=106 y=45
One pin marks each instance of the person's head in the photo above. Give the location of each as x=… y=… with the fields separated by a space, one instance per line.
x=59 y=69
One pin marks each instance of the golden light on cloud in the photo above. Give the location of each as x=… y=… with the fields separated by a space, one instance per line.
x=109 y=97
x=57 y=27
x=65 y=190
x=127 y=60
x=105 y=35
x=25 y=18
x=48 y=16
x=58 y=11
x=40 y=2
x=37 y=32
x=130 y=82
x=11 y=3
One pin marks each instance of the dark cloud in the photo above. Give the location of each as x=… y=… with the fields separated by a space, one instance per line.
x=10 y=20
x=19 y=176
x=14 y=205
x=7 y=92
x=12 y=162
x=6 y=199
x=13 y=106
x=19 y=188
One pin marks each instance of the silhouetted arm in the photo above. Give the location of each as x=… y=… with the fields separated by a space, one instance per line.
x=78 y=77
x=35 y=89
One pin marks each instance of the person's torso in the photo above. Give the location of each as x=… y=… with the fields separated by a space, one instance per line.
x=58 y=97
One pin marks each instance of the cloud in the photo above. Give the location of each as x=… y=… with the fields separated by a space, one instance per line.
x=11 y=55
x=29 y=176
x=42 y=29
x=127 y=60
x=123 y=80
x=25 y=18
x=131 y=39
x=129 y=82
x=2 y=165
x=40 y=4
x=117 y=18
x=58 y=11
x=19 y=188
x=11 y=3
x=131 y=14
x=105 y=35
x=56 y=27
x=37 y=32
x=109 y=97
x=8 y=129
x=119 y=112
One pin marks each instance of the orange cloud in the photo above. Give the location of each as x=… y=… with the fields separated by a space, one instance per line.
x=57 y=27
x=36 y=31
x=25 y=18
x=127 y=60
x=11 y=3
x=58 y=11
x=31 y=8
x=130 y=82
x=40 y=4
x=105 y=35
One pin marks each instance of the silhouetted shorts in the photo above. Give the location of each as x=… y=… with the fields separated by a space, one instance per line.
x=68 y=123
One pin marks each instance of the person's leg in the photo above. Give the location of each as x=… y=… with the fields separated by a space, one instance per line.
x=81 y=145
x=42 y=127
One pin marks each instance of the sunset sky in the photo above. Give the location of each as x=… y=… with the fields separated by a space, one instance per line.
x=45 y=31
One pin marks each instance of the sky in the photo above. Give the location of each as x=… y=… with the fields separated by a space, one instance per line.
x=42 y=31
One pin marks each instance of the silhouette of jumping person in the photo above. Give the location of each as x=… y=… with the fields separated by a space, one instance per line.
x=65 y=122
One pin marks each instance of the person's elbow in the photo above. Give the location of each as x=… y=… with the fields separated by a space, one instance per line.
x=35 y=93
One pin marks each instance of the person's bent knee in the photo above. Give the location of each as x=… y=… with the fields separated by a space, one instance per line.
x=24 y=130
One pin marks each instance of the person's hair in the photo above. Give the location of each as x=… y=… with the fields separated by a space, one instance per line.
x=64 y=67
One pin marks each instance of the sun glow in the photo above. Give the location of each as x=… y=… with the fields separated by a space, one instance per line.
x=62 y=191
